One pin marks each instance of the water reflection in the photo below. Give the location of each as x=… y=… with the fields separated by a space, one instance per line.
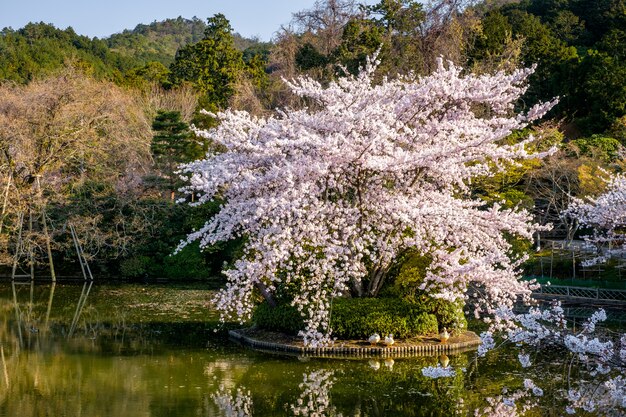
x=233 y=405
x=127 y=351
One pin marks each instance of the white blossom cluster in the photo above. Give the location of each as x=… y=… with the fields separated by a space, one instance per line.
x=606 y=215
x=326 y=197
x=529 y=384
x=537 y=327
x=314 y=401
x=600 y=361
x=237 y=405
x=509 y=404
x=438 y=371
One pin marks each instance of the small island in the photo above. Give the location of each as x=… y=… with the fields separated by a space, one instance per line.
x=266 y=340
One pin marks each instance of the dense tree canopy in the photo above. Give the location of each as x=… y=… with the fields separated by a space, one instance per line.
x=328 y=198
x=211 y=65
x=578 y=46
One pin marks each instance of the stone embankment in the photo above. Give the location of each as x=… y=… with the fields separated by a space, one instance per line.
x=423 y=346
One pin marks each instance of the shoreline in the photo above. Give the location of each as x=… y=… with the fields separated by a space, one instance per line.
x=267 y=341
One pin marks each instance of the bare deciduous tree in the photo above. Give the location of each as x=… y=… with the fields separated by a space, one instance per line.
x=62 y=132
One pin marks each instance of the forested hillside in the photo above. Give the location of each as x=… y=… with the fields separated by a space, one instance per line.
x=166 y=72
x=580 y=49
x=157 y=41
x=39 y=49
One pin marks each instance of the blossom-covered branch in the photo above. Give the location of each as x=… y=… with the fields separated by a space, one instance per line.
x=328 y=196
x=596 y=362
x=606 y=215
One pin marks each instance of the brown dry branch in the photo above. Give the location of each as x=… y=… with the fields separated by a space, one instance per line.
x=64 y=132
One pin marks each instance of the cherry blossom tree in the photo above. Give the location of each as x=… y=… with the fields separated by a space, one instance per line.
x=328 y=196
x=594 y=360
x=606 y=215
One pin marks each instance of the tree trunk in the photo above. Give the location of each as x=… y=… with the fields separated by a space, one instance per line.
x=357 y=288
x=266 y=294
x=377 y=278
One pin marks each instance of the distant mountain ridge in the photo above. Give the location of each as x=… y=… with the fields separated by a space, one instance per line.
x=157 y=41
x=39 y=48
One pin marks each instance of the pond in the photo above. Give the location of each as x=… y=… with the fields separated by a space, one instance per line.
x=152 y=350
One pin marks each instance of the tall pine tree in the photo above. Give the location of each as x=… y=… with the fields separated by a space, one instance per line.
x=173 y=143
x=212 y=65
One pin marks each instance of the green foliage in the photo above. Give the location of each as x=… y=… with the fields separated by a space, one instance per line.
x=618 y=129
x=173 y=143
x=580 y=49
x=406 y=285
x=600 y=92
x=153 y=229
x=448 y=314
x=307 y=57
x=40 y=49
x=211 y=65
x=391 y=25
x=360 y=39
x=150 y=73
x=495 y=31
x=412 y=270
x=358 y=318
x=189 y=263
x=256 y=71
x=169 y=224
x=509 y=186
x=157 y=41
x=399 y=16
x=598 y=147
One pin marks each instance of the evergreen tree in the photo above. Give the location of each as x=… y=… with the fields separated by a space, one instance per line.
x=172 y=144
x=211 y=65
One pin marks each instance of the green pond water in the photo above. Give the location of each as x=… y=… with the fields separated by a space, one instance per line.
x=152 y=350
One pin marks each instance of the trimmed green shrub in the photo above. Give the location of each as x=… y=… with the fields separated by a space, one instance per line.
x=448 y=314
x=282 y=318
x=358 y=318
x=355 y=318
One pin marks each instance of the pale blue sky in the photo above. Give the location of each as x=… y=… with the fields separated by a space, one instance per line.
x=102 y=18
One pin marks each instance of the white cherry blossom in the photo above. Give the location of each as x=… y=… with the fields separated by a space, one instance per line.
x=606 y=215
x=327 y=197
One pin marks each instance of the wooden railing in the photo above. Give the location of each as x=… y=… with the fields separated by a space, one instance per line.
x=583 y=292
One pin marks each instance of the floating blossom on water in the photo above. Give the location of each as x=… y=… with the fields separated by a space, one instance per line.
x=438 y=372
x=326 y=198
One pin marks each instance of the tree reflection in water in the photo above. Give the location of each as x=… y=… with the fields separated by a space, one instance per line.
x=125 y=361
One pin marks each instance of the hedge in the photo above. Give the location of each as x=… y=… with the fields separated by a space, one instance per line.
x=358 y=318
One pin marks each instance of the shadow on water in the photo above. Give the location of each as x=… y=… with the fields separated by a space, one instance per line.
x=152 y=350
